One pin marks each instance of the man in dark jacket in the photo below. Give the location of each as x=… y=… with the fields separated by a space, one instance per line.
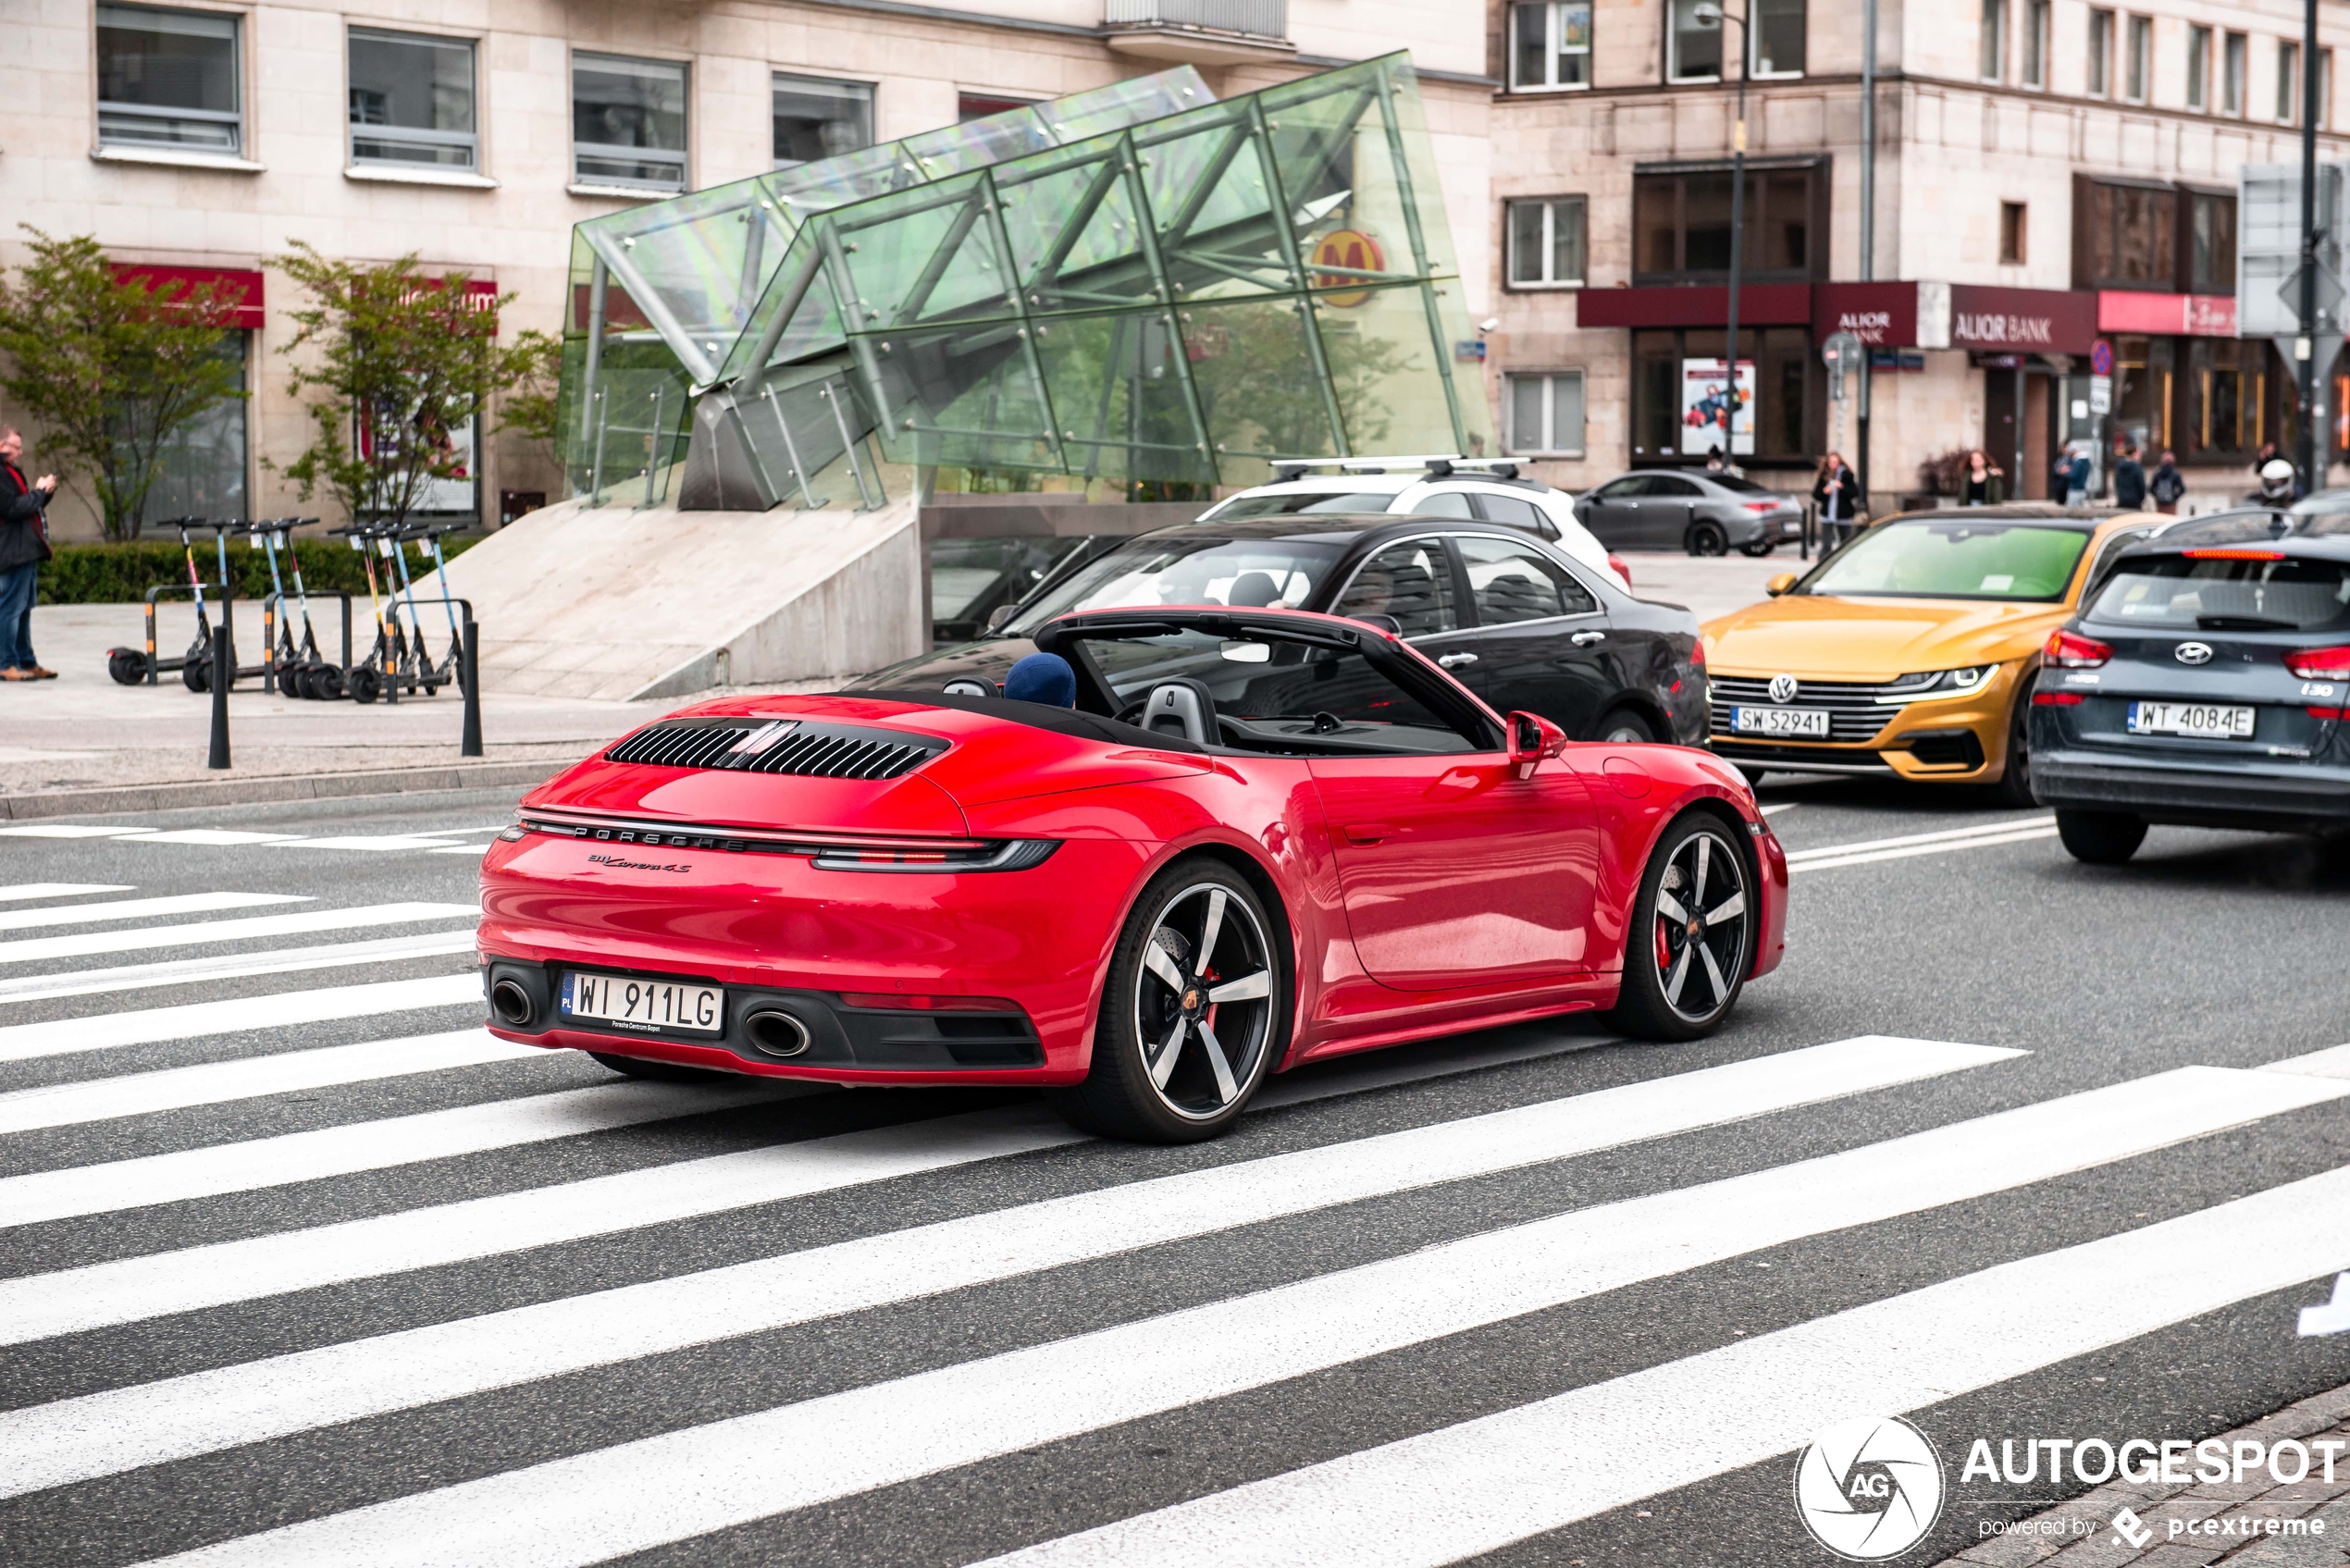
x=2130 y=480
x=2168 y=484
x=24 y=544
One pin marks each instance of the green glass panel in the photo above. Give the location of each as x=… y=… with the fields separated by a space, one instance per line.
x=1336 y=143
x=1257 y=383
x=1075 y=233
x=1117 y=388
x=958 y=149
x=923 y=256
x=965 y=395
x=1122 y=104
x=852 y=176
x=1385 y=369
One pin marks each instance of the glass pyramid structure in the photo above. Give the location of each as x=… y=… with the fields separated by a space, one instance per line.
x=1139 y=283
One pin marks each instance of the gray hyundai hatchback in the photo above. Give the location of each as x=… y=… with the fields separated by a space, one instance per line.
x=2203 y=684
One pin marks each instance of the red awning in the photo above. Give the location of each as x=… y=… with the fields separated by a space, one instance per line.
x=1760 y=304
x=2187 y=316
x=170 y=282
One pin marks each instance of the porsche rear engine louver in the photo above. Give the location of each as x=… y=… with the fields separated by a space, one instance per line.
x=777 y=746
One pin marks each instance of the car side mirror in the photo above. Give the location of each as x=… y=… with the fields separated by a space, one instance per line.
x=1779 y=584
x=1533 y=739
x=1000 y=614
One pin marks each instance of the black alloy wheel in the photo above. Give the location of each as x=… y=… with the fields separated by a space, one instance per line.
x=1691 y=940
x=1195 y=1015
x=1707 y=539
x=2014 y=787
x=2100 y=838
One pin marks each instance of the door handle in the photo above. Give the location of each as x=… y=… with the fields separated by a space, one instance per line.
x=1585 y=640
x=1456 y=661
x=1367 y=833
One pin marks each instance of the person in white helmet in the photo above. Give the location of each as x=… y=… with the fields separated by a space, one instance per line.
x=2278 y=487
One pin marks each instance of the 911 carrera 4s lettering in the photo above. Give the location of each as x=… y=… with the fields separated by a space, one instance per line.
x=1259 y=837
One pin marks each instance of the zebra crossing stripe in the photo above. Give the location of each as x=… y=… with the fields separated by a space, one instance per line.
x=147 y=1026
x=151 y=1422
x=81 y=945
x=1474 y=1488
x=69 y=1301
x=369 y=1145
x=279 y=960
x=213 y=1083
x=140 y=909
x=637 y=1495
x=59 y=889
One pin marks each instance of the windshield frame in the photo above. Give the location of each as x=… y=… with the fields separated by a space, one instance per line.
x=2087 y=531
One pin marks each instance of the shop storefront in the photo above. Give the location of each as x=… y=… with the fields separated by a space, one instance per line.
x=1680 y=385
x=2184 y=382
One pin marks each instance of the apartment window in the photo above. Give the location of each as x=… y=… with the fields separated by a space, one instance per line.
x=2198 y=68
x=2134 y=59
x=1694 y=45
x=2126 y=235
x=1777 y=26
x=1550 y=44
x=1546 y=414
x=2288 y=81
x=2011 y=234
x=1681 y=225
x=2100 y=54
x=2211 y=242
x=628 y=122
x=815 y=118
x=2036 y=42
x=1546 y=243
x=1994 y=66
x=2232 y=73
x=412 y=100
x=168 y=79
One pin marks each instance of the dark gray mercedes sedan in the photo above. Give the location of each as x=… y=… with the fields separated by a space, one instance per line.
x=2205 y=683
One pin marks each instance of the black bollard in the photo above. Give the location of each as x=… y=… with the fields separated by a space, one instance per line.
x=224 y=670
x=469 y=677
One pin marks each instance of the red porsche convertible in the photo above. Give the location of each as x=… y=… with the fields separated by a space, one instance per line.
x=1260 y=838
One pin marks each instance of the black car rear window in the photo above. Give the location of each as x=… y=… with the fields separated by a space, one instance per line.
x=2232 y=592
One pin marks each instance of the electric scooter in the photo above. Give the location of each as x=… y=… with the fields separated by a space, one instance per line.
x=373 y=675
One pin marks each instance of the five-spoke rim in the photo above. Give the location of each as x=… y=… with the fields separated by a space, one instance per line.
x=1700 y=925
x=1204 y=1000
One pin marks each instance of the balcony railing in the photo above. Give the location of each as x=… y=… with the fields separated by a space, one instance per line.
x=1261 y=19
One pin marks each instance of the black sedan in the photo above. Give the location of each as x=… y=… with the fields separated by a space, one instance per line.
x=1521 y=622
x=1702 y=514
x=2203 y=684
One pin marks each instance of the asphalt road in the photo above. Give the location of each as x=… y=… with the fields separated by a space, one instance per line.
x=1587 y=1331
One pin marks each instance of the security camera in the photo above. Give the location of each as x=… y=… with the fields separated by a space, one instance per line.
x=1490 y=323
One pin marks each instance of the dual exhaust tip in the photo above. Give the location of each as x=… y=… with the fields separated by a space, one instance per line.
x=770 y=1031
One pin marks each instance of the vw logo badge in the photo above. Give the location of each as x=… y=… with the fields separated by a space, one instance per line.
x=1783 y=687
x=2193 y=653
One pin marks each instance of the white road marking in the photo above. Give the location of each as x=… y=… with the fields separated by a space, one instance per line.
x=1464 y=1490
x=279 y=960
x=71 y=830
x=62 y=1037
x=476 y=850
x=2021 y=835
x=608 y=1503
x=369 y=1145
x=222 y=837
x=379 y=844
x=155 y=1422
x=81 y=945
x=213 y=1083
x=140 y=909
x=1778 y=805
x=2331 y=1062
x=38 y=1306
x=1979 y=830
x=60 y=889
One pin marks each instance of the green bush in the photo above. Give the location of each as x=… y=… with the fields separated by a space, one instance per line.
x=122 y=574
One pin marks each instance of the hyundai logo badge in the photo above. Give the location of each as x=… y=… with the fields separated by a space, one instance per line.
x=1783 y=687
x=2193 y=653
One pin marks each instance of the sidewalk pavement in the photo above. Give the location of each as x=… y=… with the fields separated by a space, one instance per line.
x=2228 y=1519
x=1709 y=586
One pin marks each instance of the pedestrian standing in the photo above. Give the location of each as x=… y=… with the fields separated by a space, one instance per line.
x=24 y=544
x=2072 y=475
x=2130 y=480
x=1837 y=492
x=2168 y=485
x=1714 y=461
x=1984 y=483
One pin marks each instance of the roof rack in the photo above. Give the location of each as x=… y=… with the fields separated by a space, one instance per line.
x=1435 y=464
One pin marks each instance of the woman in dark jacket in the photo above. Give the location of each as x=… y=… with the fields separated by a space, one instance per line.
x=1981 y=485
x=1836 y=490
x=24 y=544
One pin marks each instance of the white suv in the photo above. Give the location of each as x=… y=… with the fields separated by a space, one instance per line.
x=1426 y=486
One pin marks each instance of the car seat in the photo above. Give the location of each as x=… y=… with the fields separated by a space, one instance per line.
x=1253 y=590
x=1182 y=705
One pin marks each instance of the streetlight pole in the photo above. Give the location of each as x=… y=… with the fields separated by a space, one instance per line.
x=2306 y=348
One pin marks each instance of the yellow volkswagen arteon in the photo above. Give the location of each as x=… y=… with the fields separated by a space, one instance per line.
x=1910 y=653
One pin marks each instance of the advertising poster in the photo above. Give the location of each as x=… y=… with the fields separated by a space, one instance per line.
x=1708 y=402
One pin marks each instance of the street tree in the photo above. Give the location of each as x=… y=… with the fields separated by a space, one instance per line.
x=389 y=363
x=110 y=367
